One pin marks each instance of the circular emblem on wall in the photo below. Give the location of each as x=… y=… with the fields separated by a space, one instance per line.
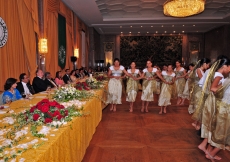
x=61 y=54
x=3 y=33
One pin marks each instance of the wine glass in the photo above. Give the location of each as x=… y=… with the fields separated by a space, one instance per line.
x=23 y=94
x=8 y=101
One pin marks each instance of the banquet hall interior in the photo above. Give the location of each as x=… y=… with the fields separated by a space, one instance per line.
x=57 y=36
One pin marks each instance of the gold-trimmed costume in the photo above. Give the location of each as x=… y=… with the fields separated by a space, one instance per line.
x=180 y=82
x=166 y=90
x=220 y=123
x=132 y=86
x=115 y=87
x=186 y=92
x=210 y=108
x=149 y=86
x=195 y=93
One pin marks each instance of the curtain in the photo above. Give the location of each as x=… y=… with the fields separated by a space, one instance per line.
x=13 y=61
x=28 y=36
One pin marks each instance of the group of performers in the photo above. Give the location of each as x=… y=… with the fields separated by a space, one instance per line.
x=206 y=87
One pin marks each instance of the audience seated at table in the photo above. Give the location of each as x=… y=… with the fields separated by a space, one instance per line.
x=11 y=93
x=39 y=84
x=58 y=79
x=73 y=77
x=77 y=74
x=82 y=73
x=24 y=85
x=49 y=81
x=66 y=77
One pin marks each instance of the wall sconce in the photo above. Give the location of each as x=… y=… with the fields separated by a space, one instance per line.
x=76 y=52
x=43 y=45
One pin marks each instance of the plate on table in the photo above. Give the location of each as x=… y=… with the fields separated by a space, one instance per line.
x=3 y=107
x=43 y=93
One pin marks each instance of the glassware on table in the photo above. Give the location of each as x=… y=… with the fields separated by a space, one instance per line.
x=8 y=101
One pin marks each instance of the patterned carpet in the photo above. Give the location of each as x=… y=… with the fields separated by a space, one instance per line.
x=146 y=137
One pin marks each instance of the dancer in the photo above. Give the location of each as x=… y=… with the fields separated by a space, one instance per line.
x=180 y=81
x=187 y=86
x=132 y=85
x=166 y=89
x=149 y=85
x=115 y=86
x=195 y=77
x=213 y=100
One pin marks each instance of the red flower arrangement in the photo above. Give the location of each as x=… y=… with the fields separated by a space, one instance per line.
x=46 y=111
x=100 y=78
x=82 y=86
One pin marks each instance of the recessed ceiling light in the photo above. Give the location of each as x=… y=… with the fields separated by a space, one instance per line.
x=165 y=31
x=131 y=26
x=194 y=25
x=183 y=25
x=121 y=32
x=139 y=32
x=182 y=31
x=151 y=26
x=141 y=26
x=130 y=32
x=197 y=31
x=147 y=32
x=156 y=31
x=174 y=31
x=162 y=26
x=172 y=25
x=120 y=26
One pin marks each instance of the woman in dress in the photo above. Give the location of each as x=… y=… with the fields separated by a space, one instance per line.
x=180 y=80
x=149 y=85
x=196 y=90
x=73 y=77
x=11 y=93
x=132 y=85
x=58 y=79
x=187 y=86
x=166 y=89
x=212 y=104
x=115 y=83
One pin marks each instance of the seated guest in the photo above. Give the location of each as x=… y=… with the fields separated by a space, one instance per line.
x=39 y=84
x=58 y=79
x=49 y=80
x=98 y=69
x=82 y=73
x=73 y=77
x=90 y=71
x=85 y=71
x=66 y=77
x=77 y=74
x=24 y=85
x=11 y=93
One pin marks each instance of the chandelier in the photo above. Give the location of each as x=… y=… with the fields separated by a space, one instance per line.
x=183 y=8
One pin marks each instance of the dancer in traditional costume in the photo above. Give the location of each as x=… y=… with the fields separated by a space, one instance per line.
x=195 y=77
x=180 y=80
x=132 y=85
x=211 y=106
x=186 y=92
x=115 y=84
x=149 y=85
x=166 y=89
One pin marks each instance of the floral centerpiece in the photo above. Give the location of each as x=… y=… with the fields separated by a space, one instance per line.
x=82 y=86
x=100 y=78
x=94 y=83
x=65 y=94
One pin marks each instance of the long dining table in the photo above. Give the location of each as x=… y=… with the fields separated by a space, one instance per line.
x=69 y=142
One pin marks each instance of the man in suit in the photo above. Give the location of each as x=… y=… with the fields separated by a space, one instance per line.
x=66 y=77
x=39 y=84
x=24 y=85
x=77 y=74
x=49 y=81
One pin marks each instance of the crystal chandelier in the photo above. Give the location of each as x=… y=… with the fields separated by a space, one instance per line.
x=183 y=8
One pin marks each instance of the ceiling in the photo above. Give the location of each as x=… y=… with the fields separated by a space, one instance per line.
x=146 y=16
